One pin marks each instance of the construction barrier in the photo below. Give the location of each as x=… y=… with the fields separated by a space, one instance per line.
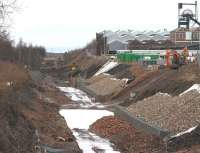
x=136 y=57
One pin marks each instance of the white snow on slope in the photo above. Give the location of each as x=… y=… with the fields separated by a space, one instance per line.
x=163 y=94
x=9 y=83
x=80 y=96
x=194 y=87
x=106 y=67
x=185 y=132
x=75 y=94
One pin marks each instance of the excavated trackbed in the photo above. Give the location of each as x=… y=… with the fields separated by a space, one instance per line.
x=79 y=120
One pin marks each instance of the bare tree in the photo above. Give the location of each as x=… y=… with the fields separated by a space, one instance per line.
x=7 y=8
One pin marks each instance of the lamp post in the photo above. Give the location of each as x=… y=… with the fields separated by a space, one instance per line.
x=197 y=53
x=198 y=47
x=175 y=38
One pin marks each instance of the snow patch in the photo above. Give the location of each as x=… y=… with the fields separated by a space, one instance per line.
x=9 y=83
x=82 y=118
x=80 y=96
x=106 y=67
x=79 y=121
x=185 y=132
x=115 y=79
x=194 y=87
x=125 y=80
x=163 y=94
x=106 y=74
x=88 y=141
x=75 y=94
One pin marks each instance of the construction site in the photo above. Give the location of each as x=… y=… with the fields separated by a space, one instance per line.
x=125 y=92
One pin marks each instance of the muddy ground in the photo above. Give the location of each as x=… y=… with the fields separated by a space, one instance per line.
x=193 y=149
x=44 y=114
x=166 y=80
x=29 y=116
x=146 y=84
x=30 y=111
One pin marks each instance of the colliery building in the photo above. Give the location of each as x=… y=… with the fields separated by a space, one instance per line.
x=185 y=37
x=108 y=41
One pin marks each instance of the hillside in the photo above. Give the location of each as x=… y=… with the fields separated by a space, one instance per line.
x=29 y=114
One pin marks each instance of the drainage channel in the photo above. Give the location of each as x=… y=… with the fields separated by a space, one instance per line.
x=80 y=119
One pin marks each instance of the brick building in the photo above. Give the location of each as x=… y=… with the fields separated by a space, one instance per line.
x=185 y=37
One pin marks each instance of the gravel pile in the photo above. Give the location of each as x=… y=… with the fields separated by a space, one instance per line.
x=127 y=138
x=176 y=114
x=105 y=85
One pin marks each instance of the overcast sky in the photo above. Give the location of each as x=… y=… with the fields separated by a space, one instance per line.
x=70 y=24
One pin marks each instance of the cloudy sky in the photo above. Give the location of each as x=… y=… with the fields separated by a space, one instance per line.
x=69 y=24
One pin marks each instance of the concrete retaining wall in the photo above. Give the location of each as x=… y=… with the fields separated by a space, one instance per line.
x=140 y=124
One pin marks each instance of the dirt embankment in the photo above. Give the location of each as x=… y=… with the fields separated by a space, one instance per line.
x=17 y=132
x=122 y=71
x=29 y=114
x=193 y=149
x=89 y=65
x=166 y=80
x=105 y=85
x=127 y=138
x=44 y=115
x=110 y=83
x=86 y=65
x=11 y=76
x=51 y=128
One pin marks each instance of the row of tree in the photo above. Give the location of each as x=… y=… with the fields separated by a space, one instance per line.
x=88 y=50
x=22 y=53
x=30 y=55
